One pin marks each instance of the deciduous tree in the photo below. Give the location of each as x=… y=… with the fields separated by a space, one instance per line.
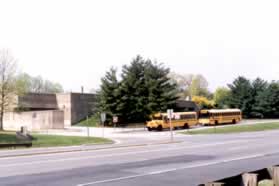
x=37 y=84
x=8 y=89
x=203 y=102
x=190 y=85
x=221 y=96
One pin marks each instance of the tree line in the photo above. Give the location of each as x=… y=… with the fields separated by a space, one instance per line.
x=145 y=87
x=256 y=98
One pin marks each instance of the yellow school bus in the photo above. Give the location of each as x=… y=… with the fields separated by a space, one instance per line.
x=219 y=116
x=160 y=121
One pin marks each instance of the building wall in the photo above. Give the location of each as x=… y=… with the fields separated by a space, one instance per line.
x=34 y=120
x=82 y=105
x=64 y=104
x=37 y=101
x=76 y=106
x=46 y=110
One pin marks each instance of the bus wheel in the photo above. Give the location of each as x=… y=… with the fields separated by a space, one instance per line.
x=160 y=128
x=149 y=128
x=216 y=122
x=186 y=126
x=233 y=121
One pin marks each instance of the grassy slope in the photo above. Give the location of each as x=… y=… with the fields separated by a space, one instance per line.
x=93 y=121
x=52 y=140
x=236 y=129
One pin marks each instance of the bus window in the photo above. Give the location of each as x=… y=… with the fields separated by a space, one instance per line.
x=204 y=115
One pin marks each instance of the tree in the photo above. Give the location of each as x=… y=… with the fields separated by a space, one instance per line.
x=203 y=102
x=199 y=86
x=183 y=82
x=134 y=93
x=191 y=85
x=258 y=87
x=221 y=97
x=52 y=87
x=8 y=90
x=241 y=95
x=37 y=84
x=108 y=95
x=268 y=100
x=144 y=88
x=161 y=91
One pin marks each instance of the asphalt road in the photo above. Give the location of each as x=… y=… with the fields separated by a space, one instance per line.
x=191 y=160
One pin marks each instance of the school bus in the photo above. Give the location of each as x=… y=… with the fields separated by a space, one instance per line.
x=184 y=120
x=219 y=116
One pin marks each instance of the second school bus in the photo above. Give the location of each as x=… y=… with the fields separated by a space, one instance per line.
x=220 y=116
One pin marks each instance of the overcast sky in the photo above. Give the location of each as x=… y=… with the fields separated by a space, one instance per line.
x=74 y=42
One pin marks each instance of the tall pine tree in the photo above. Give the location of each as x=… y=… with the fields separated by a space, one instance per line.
x=134 y=93
x=258 y=87
x=268 y=100
x=162 y=92
x=108 y=97
x=144 y=89
x=241 y=95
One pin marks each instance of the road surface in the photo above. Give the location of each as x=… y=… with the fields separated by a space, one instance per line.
x=190 y=160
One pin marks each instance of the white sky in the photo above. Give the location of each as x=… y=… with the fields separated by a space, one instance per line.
x=75 y=42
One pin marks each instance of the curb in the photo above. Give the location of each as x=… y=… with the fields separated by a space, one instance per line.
x=87 y=150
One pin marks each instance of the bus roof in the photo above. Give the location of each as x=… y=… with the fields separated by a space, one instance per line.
x=180 y=113
x=223 y=110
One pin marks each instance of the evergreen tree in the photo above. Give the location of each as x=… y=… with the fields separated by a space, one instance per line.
x=259 y=86
x=241 y=95
x=108 y=96
x=144 y=88
x=162 y=92
x=268 y=100
x=134 y=94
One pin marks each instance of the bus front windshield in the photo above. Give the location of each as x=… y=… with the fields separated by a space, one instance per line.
x=160 y=117
x=204 y=115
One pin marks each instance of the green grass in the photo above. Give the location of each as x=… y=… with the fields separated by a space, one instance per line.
x=92 y=121
x=7 y=137
x=236 y=129
x=53 y=140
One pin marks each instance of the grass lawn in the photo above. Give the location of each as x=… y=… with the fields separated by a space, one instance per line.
x=92 y=121
x=235 y=129
x=53 y=140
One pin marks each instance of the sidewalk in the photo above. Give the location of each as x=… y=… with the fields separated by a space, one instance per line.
x=108 y=132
